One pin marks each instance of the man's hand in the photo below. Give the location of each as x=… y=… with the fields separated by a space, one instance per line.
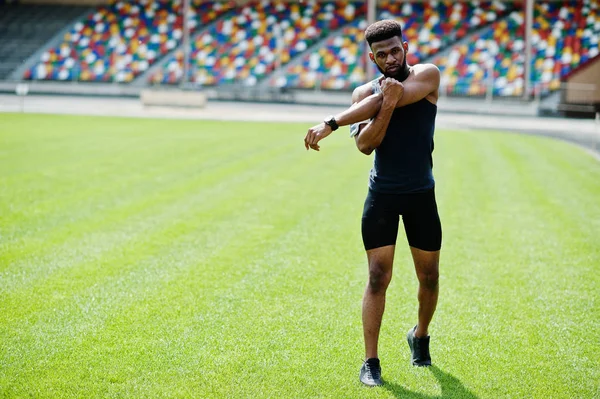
x=316 y=134
x=392 y=90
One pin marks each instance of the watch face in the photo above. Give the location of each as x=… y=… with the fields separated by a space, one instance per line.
x=330 y=120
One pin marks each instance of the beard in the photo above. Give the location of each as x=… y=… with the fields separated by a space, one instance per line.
x=400 y=75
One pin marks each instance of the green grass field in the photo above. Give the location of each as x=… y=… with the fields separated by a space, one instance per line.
x=157 y=258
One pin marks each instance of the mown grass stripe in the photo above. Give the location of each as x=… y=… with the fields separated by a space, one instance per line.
x=221 y=310
x=121 y=243
x=243 y=288
x=140 y=274
x=200 y=169
x=138 y=204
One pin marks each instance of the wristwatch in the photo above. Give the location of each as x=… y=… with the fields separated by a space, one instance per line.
x=330 y=120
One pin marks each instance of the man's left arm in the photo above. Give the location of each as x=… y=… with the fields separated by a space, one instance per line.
x=424 y=82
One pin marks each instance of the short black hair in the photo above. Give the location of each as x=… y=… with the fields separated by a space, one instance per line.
x=383 y=30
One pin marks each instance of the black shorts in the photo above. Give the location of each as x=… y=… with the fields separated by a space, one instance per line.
x=381 y=216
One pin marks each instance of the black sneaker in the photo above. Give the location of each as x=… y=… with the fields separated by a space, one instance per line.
x=419 y=348
x=370 y=372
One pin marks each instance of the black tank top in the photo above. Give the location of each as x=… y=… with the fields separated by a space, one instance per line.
x=403 y=161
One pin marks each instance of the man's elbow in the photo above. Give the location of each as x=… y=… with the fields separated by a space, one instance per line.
x=365 y=149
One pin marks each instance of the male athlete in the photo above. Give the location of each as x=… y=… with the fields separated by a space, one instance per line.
x=394 y=116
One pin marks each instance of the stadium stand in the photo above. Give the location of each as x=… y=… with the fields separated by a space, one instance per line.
x=565 y=34
x=119 y=41
x=335 y=65
x=427 y=26
x=304 y=45
x=245 y=48
x=24 y=28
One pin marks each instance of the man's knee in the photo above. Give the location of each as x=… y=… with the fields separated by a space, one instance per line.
x=429 y=277
x=379 y=277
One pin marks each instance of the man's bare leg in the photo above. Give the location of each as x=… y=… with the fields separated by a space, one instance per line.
x=427 y=268
x=380 y=274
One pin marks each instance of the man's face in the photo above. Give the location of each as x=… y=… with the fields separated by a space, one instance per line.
x=390 y=57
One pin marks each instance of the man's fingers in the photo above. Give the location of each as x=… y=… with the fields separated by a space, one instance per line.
x=308 y=139
x=314 y=138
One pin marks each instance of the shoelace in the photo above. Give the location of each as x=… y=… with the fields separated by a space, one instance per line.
x=421 y=350
x=424 y=352
x=373 y=371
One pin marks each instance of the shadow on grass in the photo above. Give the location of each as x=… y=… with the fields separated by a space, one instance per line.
x=451 y=387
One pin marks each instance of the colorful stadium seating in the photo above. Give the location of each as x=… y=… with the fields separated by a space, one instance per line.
x=121 y=40
x=335 y=65
x=263 y=35
x=427 y=26
x=565 y=34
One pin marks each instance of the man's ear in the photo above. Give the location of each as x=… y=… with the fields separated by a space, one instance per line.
x=372 y=57
x=405 y=45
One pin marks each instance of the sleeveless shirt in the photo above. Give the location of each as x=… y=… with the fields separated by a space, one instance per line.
x=403 y=161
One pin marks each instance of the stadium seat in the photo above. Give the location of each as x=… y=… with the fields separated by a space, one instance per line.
x=427 y=26
x=262 y=36
x=121 y=40
x=565 y=34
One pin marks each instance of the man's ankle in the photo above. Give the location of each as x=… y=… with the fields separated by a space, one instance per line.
x=421 y=333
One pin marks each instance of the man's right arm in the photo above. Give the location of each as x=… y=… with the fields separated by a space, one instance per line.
x=365 y=106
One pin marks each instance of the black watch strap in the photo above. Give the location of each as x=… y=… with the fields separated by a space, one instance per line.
x=330 y=120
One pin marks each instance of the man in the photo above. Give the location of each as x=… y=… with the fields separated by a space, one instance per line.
x=401 y=109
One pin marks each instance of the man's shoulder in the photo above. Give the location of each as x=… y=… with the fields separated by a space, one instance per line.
x=425 y=68
x=429 y=74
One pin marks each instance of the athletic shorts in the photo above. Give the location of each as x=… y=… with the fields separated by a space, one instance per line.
x=381 y=217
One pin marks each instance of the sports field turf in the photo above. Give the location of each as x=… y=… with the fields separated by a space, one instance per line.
x=161 y=258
